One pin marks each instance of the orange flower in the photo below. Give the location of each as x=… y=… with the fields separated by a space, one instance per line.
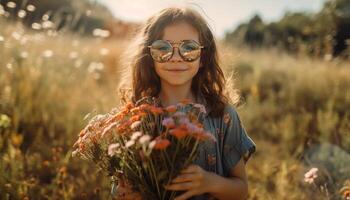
x=156 y=110
x=135 y=118
x=161 y=144
x=171 y=109
x=179 y=132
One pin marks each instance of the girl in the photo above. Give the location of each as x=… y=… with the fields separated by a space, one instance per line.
x=176 y=58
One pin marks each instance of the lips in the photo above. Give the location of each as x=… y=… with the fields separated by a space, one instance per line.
x=176 y=70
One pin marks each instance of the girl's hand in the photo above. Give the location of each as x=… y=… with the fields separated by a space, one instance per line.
x=194 y=179
x=124 y=192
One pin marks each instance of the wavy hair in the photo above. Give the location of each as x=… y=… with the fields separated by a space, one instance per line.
x=209 y=83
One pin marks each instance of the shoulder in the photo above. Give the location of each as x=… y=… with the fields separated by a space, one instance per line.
x=230 y=115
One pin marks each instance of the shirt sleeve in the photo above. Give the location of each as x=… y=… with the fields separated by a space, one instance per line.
x=236 y=141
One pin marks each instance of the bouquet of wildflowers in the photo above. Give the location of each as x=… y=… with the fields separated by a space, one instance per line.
x=144 y=144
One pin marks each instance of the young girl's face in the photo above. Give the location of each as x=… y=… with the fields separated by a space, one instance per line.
x=176 y=71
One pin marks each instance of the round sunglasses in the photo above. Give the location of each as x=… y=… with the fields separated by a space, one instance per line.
x=162 y=50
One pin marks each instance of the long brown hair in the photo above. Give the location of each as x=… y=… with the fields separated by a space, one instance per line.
x=209 y=82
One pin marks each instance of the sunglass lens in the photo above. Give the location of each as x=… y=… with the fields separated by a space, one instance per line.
x=161 y=51
x=190 y=51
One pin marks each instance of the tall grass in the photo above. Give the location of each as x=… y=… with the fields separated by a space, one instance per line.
x=295 y=108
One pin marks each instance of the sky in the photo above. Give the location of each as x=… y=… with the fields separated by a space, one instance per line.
x=222 y=15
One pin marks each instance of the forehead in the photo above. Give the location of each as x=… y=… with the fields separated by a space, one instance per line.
x=180 y=31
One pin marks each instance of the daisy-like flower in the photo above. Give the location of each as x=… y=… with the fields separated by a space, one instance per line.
x=311 y=175
x=129 y=143
x=36 y=26
x=161 y=144
x=31 y=8
x=48 y=53
x=144 y=139
x=136 y=135
x=135 y=125
x=21 y=13
x=201 y=107
x=113 y=149
x=11 y=4
x=179 y=133
x=168 y=122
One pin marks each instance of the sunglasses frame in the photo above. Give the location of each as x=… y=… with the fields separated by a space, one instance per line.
x=178 y=48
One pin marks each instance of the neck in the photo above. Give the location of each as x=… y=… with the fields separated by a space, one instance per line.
x=171 y=95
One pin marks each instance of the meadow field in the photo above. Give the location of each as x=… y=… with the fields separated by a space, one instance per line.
x=295 y=107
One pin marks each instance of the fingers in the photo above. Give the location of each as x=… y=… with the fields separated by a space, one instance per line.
x=181 y=186
x=191 y=169
x=185 y=178
x=186 y=195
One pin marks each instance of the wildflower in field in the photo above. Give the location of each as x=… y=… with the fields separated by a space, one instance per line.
x=11 y=4
x=24 y=54
x=161 y=144
x=104 y=51
x=95 y=66
x=48 y=53
x=73 y=55
x=30 y=8
x=136 y=135
x=113 y=149
x=101 y=33
x=144 y=139
x=345 y=190
x=311 y=175
x=5 y=121
x=47 y=24
x=169 y=122
x=21 y=13
x=45 y=17
x=36 y=26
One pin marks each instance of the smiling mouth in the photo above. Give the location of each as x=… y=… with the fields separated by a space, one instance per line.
x=176 y=70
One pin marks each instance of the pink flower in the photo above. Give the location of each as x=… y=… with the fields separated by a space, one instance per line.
x=113 y=149
x=168 y=122
x=311 y=175
x=201 y=107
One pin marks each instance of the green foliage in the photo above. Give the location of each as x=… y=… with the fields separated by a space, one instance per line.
x=318 y=34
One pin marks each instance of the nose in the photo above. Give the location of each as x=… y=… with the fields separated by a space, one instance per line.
x=176 y=56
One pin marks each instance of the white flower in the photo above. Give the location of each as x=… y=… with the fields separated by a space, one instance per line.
x=113 y=149
x=136 y=135
x=73 y=54
x=129 y=143
x=21 y=13
x=311 y=175
x=104 y=51
x=135 y=124
x=2 y=11
x=31 y=8
x=47 y=53
x=152 y=144
x=95 y=66
x=24 y=54
x=36 y=26
x=47 y=24
x=101 y=33
x=45 y=17
x=144 y=139
x=11 y=4
x=16 y=35
x=201 y=107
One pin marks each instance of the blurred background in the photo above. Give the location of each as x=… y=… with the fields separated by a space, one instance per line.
x=60 y=64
